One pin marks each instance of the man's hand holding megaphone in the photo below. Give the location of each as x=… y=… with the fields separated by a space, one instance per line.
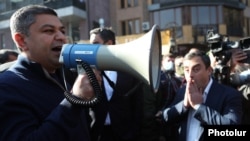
x=83 y=88
x=86 y=89
x=122 y=57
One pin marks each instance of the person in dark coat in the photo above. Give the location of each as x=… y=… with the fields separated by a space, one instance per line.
x=32 y=90
x=118 y=116
x=202 y=101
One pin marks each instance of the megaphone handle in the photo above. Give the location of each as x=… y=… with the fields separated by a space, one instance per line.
x=85 y=67
x=80 y=69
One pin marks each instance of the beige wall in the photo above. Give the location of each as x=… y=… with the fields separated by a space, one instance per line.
x=140 y=12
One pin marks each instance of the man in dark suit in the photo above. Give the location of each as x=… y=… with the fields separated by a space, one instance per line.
x=118 y=116
x=203 y=101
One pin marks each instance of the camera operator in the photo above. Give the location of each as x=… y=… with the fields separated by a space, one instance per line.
x=240 y=73
x=230 y=61
x=237 y=56
x=239 y=78
x=225 y=70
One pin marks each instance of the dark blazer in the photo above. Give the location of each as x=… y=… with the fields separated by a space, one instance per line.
x=125 y=109
x=223 y=106
x=33 y=106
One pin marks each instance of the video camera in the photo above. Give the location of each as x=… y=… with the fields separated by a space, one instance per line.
x=221 y=48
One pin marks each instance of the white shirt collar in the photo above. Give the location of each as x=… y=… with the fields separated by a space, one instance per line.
x=205 y=93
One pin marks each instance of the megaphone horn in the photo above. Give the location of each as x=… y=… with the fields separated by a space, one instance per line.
x=140 y=58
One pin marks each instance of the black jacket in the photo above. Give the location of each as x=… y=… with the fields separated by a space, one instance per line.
x=33 y=107
x=125 y=109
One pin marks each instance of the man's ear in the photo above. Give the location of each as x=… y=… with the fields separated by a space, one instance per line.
x=20 y=40
x=210 y=69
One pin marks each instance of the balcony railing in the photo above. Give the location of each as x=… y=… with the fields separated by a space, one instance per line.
x=231 y=3
x=7 y=7
x=56 y=4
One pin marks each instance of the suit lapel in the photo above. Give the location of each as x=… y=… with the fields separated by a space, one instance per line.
x=213 y=94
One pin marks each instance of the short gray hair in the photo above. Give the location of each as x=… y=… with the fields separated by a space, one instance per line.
x=204 y=57
x=24 y=17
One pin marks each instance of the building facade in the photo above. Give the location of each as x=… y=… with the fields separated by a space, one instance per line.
x=188 y=21
x=73 y=14
x=184 y=23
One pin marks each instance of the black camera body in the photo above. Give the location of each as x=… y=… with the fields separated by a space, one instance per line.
x=221 y=47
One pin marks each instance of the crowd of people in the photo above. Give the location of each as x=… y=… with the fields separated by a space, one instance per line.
x=35 y=103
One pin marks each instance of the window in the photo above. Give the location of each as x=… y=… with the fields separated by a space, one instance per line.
x=123 y=25
x=130 y=27
x=203 y=23
x=245 y=2
x=233 y=20
x=155 y=1
x=156 y=17
x=136 y=3
x=2 y=41
x=2 y=6
x=123 y=3
x=164 y=17
x=198 y=12
x=137 y=26
x=129 y=3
